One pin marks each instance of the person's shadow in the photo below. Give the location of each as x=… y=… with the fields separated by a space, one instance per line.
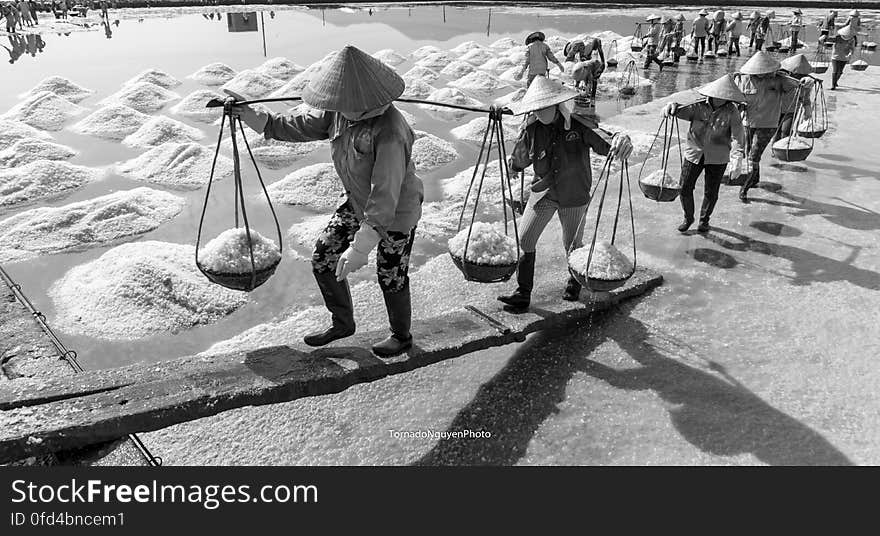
x=707 y=406
x=855 y=217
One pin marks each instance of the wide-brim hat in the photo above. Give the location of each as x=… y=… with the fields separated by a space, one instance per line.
x=723 y=88
x=353 y=81
x=652 y=16
x=760 y=63
x=543 y=93
x=846 y=32
x=535 y=36
x=854 y=13
x=770 y=14
x=798 y=11
x=738 y=15
x=797 y=64
x=680 y=16
x=754 y=15
x=703 y=12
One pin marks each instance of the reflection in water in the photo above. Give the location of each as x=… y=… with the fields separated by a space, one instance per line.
x=19 y=45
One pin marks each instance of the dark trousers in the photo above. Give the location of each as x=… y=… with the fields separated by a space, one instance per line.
x=752 y=39
x=733 y=44
x=836 y=70
x=714 y=39
x=794 y=41
x=652 y=56
x=700 y=45
x=690 y=172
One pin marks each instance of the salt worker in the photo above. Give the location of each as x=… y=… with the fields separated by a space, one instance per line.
x=557 y=145
x=764 y=89
x=734 y=31
x=828 y=24
x=700 y=31
x=797 y=67
x=370 y=143
x=752 y=27
x=718 y=24
x=795 y=24
x=715 y=122
x=537 y=59
x=845 y=43
x=854 y=20
x=762 y=30
x=652 y=41
x=678 y=35
x=586 y=74
x=582 y=50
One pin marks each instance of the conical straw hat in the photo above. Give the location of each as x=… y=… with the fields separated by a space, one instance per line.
x=353 y=81
x=543 y=93
x=854 y=13
x=718 y=15
x=652 y=16
x=797 y=64
x=723 y=88
x=770 y=14
x=703 y=12
x=760 y=63
x=534 y=36
x=846 y=32
x=754 y=15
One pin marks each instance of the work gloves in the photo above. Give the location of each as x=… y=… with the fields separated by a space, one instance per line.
x=355 y=257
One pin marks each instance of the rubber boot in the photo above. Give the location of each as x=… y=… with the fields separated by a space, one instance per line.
x=572 y=290
x=399 y=310
x=749 y=183
x=525 y=277
x=337 y=299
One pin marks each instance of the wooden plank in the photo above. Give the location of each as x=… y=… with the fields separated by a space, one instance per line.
x=38 y=416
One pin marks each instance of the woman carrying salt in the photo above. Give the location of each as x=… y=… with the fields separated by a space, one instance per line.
x=715 y=122
x=652 y=41
x=845 y=43
x=557 y=145
x=371 y=147
x=797 y=67
x=734 y=31
x=537 y=58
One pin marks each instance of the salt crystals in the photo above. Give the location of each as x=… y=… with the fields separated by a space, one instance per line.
x=389 y=57
x=280 y=68
x=193 y=106
x=161 y=129
x=143 y=97
x=213 y=74
x=154 y=76
x=230 y=252
x=62 y=87
x=112 y=122
x=30 y=150
x=44 y=110
x=42 y=179
x=430 y=152
x=316 y=186
x=253 y=84
x=179 y=165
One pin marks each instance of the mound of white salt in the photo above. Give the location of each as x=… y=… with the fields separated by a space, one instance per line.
x=143 y=97
x=180 y=165
x=12 y=131
x=112 y=122
x=497 y=65
x=455 y=188
x=417 y=88
x=450 y=96
x=436 y=60
x=213 y=74
x=478 y=82
x=161 y=129
x=556 y=41
x=253 y=84
x=154 y=76
x=439 y=221
x=60 y=86
x=477 y=56
x=662 y=179
x=137 y=290
x=467 y=46
x=486 y=244
x=390 y=57
x=410 y=118
x=457 y=69
x=316 y=186
x=430 y=152
x=230 y=252
x=297 y=84
x=32 y=149
x=273 y=154
x=42 y=179
x=418 y=72
x=510 y=74
x=193 y=106
x=44 y=110
x=425 y=51
x=517 y=54
x=504 y=43
x=306 y=232
x=474 y=129
x=85 y=224
x=608 y=262
x=280 y=68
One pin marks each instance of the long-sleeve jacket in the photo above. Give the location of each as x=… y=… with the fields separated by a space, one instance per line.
x=829 y=22
x=718 y=26
x=711 y=131
x=764 y=98
x=734 y=29
x=653 y=35
x=537 y=56
x=701 y=27
x=788 y=98
x=562 y=154
x=796 y=23
x=372 y=159
x=678 y=30
x=843 y=48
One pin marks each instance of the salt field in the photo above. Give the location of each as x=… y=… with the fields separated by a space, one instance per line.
x=104 y=165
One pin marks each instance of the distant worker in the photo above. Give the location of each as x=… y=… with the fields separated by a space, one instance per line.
x=845 y=43
x=795 y=24
x=854 y=21
x=718 y=25
x=537 y=58
x=586 y=74
x=699 y=32
x=582 y=50
x=828 y=24
x=677 y=36
x=752 y=27
x=734 y=31
x=651 y=41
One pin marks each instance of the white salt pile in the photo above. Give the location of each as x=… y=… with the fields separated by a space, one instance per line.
x=417 y=89
x=792 y=142
x=213 y=74
x=306 y=232
x=437 y=60
x=474 y=129
x=84 y=224
x=430 y=152
x=457 y=69
x=808 y=126
x=479 y=82
x=410 y=118
x=230 y=252
x=42 y=179
x=12 y=131
x=438 y=221
x=253 y=84
x=32 y=149
x=137 y=290
x=510 y=98
x=143 y=97
x=280 y=68
x=425 y=51
x=112 y=122
x=467 y=46
x=44 y=110
x=556 y=41
x=455 y=188
x=154 y=76
x=487 y=245
x=477 y=56
x=389 y=57
x=450 y=96
x=661 y=179
x=60 y=86
x=193 y=106
x=273 y=154
x=418 y=72
x=517 y=54
x=180 y=165
x=497 y=65
x=510 y=74
x=297 y=84
x=316 y=186
x=504 y=43
x=607 y=264
x=161 y=129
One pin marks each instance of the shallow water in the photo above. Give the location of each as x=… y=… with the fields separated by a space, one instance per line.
x=182 y=43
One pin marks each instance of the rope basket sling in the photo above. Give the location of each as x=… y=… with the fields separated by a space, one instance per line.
x=611 y=54
x=636 y=45
x=663 y=193
x=626 y=84
x=471 y=269
x=597 y=284
x=818 y=121
x=799 y=152
x=819 y=62
x=257 y=276
x=860 y=64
